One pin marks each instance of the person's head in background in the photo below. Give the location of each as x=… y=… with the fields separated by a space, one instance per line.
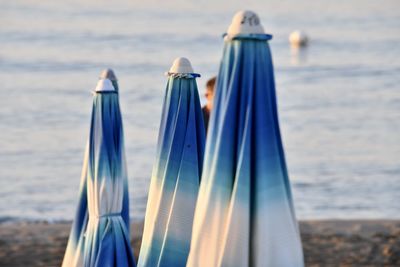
x=209 y=94
x=209 y=104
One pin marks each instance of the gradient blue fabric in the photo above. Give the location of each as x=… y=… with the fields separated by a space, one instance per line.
x=100 y=232
x=176 y=177
x=244 y=214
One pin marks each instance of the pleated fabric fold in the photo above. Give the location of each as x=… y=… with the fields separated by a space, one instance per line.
x=100 y=233
x=175 y=179
x=244 y=214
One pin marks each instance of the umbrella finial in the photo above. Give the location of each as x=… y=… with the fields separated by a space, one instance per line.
x=298 y=39
x=245 y=22
x=108 y=74
x=181 y=65
x=182 y=68
x=104 y=85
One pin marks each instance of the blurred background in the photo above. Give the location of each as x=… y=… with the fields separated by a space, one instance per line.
x=339 y=97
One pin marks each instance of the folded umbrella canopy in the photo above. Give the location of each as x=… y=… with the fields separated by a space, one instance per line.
x=244 y=214
x=100 y=232
x=176 y=174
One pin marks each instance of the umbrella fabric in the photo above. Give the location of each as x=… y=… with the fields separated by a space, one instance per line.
x=100 y=232
x=244 y=214
x=176 y=176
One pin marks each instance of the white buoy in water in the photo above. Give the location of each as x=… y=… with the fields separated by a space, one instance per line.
x=298 y=39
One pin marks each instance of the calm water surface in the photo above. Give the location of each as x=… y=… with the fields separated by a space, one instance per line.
x=339 y=99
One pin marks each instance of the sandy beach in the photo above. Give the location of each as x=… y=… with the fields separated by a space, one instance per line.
x=325 y=243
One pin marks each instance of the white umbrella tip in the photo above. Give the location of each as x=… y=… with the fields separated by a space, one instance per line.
x=108 y=74
x=298 y=39
x=181 y=65
x=104 y=85
x=245 y=22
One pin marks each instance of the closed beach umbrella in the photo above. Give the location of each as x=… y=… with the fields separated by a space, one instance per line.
x=244 y=214
x=176 y=173
x=100 y=232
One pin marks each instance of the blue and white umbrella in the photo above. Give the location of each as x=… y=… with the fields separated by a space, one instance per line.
x=244 y=214
x=176 y=174
x=100 y=232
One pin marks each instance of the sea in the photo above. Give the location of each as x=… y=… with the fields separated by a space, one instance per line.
x=338 y=98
